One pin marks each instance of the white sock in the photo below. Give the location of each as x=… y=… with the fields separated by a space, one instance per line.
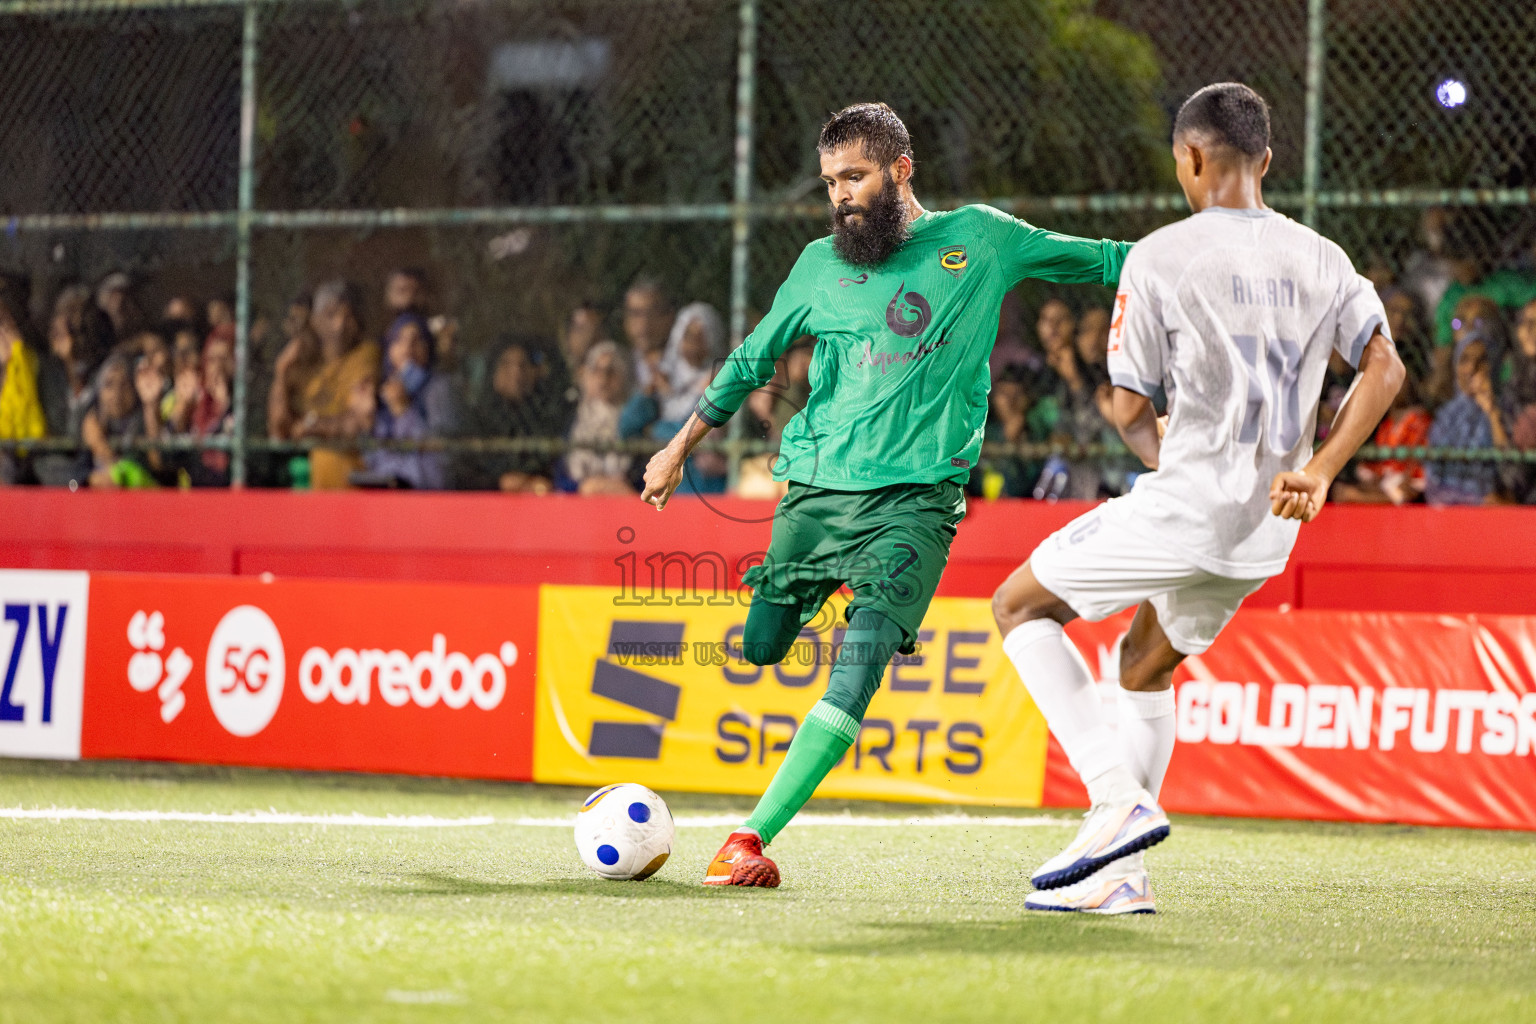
x=1062 y=688
x=1146 y=734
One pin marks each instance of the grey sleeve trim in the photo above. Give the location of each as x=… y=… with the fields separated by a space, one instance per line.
x=1125 y=380
x=1357 y=347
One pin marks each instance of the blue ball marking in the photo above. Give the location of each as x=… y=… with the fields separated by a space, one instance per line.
x=639 y=812
x=608 y=855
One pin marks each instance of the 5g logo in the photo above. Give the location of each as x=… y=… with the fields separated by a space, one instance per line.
x=245 y=670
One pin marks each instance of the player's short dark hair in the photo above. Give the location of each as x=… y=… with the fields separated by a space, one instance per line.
x=1229 y=114
x=876 y=125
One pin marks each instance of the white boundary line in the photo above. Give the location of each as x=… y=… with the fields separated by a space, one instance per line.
x=844 y=820
x=241 y=818
x=429 y=821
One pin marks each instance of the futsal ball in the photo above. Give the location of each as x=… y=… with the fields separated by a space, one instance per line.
x=624 y=832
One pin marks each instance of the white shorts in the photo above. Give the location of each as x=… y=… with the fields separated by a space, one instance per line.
x=1099 y=567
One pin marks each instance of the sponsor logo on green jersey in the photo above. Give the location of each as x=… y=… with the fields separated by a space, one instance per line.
x=886 y=360
x=908 y=313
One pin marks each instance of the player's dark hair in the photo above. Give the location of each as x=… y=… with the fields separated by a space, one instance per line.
x=1228 y=114
x=876 y=125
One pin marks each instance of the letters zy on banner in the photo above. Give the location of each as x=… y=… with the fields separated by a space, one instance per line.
x=418 y=678
x=42 y=658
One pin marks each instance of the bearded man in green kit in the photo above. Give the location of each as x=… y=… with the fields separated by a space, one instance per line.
x=904 y=303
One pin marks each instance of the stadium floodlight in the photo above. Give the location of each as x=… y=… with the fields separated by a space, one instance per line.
x=1451 y=93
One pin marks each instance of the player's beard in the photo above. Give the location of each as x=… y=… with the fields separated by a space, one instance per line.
x=879 y=232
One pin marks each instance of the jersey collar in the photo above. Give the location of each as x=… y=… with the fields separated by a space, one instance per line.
x=1241 y=212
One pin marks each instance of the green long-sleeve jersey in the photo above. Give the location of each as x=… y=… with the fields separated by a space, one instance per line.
x=899 y=379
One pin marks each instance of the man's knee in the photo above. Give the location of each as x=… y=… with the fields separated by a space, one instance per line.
x=770 y=631
x=1022 y=599
x=767 y=651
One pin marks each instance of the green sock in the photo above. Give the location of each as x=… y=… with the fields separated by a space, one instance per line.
x=823 y=739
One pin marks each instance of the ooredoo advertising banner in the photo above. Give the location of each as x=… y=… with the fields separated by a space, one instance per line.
x=42 y=656
x=1427 y=719
x=657 y=694
x=418 y=678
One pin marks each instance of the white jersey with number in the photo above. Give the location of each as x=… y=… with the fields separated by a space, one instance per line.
x=1235 y=313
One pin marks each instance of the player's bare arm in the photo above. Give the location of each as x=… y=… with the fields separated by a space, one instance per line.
x=664 y=472
x=1139 y=426
x=1300 y=495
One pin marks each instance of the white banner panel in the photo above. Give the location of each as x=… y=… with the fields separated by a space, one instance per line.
x=42 y=662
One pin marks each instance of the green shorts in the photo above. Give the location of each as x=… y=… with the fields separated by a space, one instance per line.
x=889 y=546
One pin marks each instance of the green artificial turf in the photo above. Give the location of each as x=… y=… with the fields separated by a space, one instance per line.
x=1260 y=920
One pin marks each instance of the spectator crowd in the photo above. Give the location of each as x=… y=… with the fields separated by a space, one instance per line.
x=102 y=375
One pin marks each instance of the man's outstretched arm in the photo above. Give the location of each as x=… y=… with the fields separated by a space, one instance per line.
x=1030 y=252
x=1300 y=495
x=745 y=370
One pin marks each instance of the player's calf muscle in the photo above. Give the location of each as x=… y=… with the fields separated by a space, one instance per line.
x=1148 y=670
x=1147 y=658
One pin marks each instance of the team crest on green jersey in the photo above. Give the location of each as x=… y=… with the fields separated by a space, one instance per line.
x=952 y=259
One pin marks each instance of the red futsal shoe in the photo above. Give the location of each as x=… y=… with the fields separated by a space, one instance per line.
x=741 y=862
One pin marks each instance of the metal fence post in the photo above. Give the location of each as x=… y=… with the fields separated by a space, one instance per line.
x=1311 y=157
x=741 y=220
x=246 y=194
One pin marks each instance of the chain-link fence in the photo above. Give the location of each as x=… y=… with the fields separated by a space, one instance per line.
x=535 y=158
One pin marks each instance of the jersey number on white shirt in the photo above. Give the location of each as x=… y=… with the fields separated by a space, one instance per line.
x=1272 y=377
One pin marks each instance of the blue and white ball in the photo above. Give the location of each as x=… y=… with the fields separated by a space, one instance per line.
x=624 y=832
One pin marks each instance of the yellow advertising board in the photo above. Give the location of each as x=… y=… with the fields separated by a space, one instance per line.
x=651 y=693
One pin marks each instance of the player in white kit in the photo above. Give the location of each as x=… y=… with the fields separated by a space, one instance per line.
x=1233 y=311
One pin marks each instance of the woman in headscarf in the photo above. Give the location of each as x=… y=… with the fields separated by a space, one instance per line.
x=414 y=402
x=687 y=364
x=661 y=407
x=605 y=384
x=1471 y=420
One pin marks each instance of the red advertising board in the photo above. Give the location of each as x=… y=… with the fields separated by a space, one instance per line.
x=1425 y=719
x=421 y=678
